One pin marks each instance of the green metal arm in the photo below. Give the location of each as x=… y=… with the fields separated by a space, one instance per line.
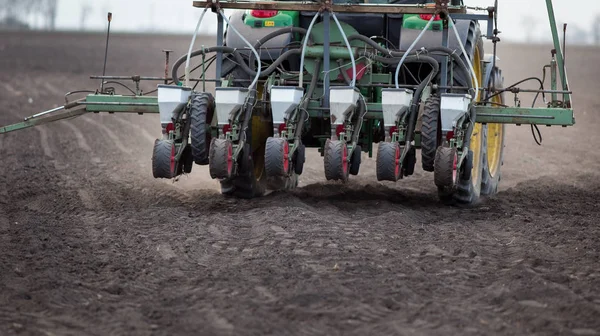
x=559 y=53
x=92 y=103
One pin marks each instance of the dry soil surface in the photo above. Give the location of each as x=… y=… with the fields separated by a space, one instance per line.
x=91 y=244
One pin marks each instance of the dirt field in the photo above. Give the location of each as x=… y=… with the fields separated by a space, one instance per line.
x=91 y=244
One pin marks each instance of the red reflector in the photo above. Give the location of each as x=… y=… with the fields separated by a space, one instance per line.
x=262 y=14
x=282 y=128
x=427 y=17
x=449 y=135
x=339 y=129
x=393 y=130
x=226 y=128
x=170 y=127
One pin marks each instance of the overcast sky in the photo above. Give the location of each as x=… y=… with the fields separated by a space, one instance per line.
x=180 y=16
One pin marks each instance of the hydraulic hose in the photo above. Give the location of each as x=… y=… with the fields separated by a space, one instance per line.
x=253 y=84
x=187 y=63
x=353 y=83
x=410 y=49
x=204 y=51
x=311 y=91
x=272 y=35
x=376 y=46
x=462 y=47
x=451 y=53
x=239 y=59
x=312 y=23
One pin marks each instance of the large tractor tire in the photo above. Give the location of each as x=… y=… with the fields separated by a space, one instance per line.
x=201 y=112
x=493 y=156
x=468 y=185
x=252 y=180
x=431 y=132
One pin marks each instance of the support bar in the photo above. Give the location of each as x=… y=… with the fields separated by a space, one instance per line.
x=524 y=115
x=40 y=121
x=339 y=8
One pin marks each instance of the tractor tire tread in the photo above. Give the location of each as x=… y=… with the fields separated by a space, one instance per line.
x=333 y=160
x=274 y=157
x=161 y=159
x=199 y=111
x=430 y=132
x=386 y=162
x=218 y=158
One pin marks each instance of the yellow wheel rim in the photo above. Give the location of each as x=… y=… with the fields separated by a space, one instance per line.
x=476 y=137
x=495 y=138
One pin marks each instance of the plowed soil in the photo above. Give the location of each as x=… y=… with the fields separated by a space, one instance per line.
x=91 y=244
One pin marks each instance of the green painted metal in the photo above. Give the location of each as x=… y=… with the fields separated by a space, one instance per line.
x=559 y=52
x=282 y=19
x=524 y=115
x=335 y=52
x=43 y=120
x=335 y=40
x=123 y=104
x=414 y=21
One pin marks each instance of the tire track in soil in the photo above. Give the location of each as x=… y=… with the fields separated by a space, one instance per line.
x=111 y=135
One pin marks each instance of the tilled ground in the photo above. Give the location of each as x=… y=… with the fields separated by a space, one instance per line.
x=91 y=244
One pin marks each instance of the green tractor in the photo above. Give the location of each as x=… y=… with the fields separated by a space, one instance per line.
x=411 y=76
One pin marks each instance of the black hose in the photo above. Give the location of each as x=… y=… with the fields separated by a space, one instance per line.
x=311 y=90
x=183 y=59
x=266 y=38
x=238 y=57
x=376 y=46
x=344 y=73
x=414 y=109
x=450 y=52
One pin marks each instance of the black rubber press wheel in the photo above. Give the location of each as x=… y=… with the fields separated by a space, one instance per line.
x=336 y=160
x=163 y=159
x=221 y=159
x=389 y=167
x=277 y=157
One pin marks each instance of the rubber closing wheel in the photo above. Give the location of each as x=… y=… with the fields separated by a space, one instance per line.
x=445 y=169
x=299 y=159
x=389 y=167
x=355 y=160
x=336 y=160
x=221 y=159
x=431 y=134
x=277 y=157
x=201 y=111
x=163 y=159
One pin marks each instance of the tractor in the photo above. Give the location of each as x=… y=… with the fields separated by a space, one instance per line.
x=408 y=76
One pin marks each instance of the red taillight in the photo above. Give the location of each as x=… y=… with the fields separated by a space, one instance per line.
x=282 y=127
x=427 y=17
x=263 y=14
x=170 y=127
x=339 y=129
x=393 y=130
x=449 y=135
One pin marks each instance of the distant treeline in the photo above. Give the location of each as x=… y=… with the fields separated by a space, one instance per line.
x=18 y=14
